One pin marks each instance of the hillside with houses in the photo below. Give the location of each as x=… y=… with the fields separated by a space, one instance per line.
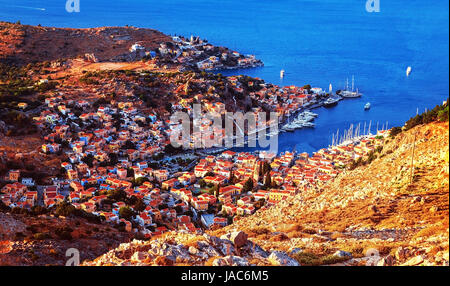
x=85 y=155
x=375 y=214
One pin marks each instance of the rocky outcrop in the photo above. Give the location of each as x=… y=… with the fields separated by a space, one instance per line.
x=238 y=238
x=279 y=258
x=90 y=57
x=341 y=253
x=177 y=248
x=231 y=261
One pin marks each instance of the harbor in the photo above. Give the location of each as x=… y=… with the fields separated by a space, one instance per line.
x=302 y=118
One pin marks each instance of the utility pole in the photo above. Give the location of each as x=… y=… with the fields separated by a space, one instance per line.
x=412 y=157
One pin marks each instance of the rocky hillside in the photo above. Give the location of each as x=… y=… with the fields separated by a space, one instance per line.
x=376 y=208
x=231 y=249
x=375 y=214
x=44 y=239
x=23 y=44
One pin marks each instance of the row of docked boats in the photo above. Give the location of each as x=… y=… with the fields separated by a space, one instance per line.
x=303 y=120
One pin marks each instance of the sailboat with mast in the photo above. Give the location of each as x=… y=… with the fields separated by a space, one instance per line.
x=347 y=93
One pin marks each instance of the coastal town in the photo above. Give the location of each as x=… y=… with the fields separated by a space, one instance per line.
x=191 y=54
x=94 y=160
x=121 y=168
x=110 y=130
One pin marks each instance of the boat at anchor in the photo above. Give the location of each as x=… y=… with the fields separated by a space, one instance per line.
x=347 y=93
x=330 y=102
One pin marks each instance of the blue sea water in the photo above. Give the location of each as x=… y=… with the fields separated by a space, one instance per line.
x=315 y=42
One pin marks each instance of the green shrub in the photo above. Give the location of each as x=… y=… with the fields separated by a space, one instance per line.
x=126 y=213
x=64 y=233
x=395 y=131
x=307 y=259
x=311 y=259
x=39 y=210
x=65 y=209
x=439 y=113
x=4 y=208
x=19 y=236
x=41 y=236
x=332 y=259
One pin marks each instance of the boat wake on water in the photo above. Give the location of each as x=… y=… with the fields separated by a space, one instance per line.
x=30 y=8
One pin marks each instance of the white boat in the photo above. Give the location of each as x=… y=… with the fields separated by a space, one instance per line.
x=301 y=121
x=347 y=93
x=307 y=112
x=350 y=94
x=408 y=71
x=330 y=102
x=282 y=74
x=309 y=124
x=288 y=128
x=304 y=118
x=367 y=106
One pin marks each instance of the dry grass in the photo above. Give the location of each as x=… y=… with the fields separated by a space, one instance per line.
x=338 y=227
x=337 y=235
x=210 y=261
x=297 y=234
x=263 y=237
x=309 y=231
x=433 y=230
x=279 y=237
x=193 y=241
x=257 y=231
x=356 y=251
x=161 y=236
x=436 y=249
x=219 y=232
x=258 y=262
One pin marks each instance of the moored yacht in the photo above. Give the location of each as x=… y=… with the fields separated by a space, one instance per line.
x=347 y=93
x=408 y=71
x=330 y=102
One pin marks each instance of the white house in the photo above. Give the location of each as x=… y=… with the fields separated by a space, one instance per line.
x=28 y=182
x=136 y=48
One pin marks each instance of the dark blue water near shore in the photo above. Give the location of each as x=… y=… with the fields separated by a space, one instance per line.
x=316 y=42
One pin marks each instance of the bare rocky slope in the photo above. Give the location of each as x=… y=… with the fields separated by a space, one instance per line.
x=23 y=44
x=44 y=239
x=375 y=214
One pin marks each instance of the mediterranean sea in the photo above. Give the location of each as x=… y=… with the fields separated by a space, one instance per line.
x=315 y=42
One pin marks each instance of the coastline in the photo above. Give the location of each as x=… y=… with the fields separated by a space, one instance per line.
x=261 y=64
x=216 y=150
